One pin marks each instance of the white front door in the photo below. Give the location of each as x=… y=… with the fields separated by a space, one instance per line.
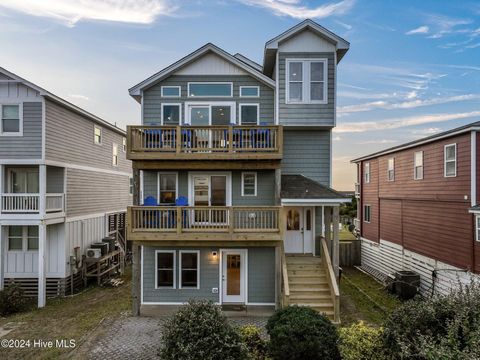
x=294 y=230
x=308 y=230
x=234 y=276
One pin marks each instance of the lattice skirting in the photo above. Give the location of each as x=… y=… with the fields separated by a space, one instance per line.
x=56 y=287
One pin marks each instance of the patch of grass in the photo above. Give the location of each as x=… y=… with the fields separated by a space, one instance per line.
x=344 y=234
x=372 y=304
x=67 y=318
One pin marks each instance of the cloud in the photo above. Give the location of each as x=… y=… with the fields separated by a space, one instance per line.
x=404 y=104
x=297 y=9
x=396 y=123
x=337 y=138
x=426 y=131
x=420 y=30
x=71 y=12
x=79 y=96
x=383 y=141
x=345 y=25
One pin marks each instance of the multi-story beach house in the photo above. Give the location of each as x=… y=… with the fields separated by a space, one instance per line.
x=232 y=177
x=418 y=209
x=64 y=177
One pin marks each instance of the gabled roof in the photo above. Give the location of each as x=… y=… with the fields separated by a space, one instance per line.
x=59 y=100
x=271 y=46
x=249 y=62
x=300 y=187
x=136 y=90
x=475 y=126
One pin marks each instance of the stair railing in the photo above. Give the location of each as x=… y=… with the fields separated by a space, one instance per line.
x=286 y=286
x=332 y=280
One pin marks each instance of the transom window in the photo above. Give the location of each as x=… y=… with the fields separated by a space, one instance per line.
x=97 y=135
x=249 y=114
x=450 y=160
x=189 y=269
x=249 y=184
x=165 y=266
x=171 y=91
x=11 y=117
x=22 y=238
x=367 y=172
x=167 y=188
x=306 y=81
x=367 y=213
x=418 y=165
x=249 y=91
x=115 y=155
x=212 y=89
x=171 y=114
x=391 y=169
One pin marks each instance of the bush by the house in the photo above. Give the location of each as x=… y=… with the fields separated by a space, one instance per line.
x=302 y=333
x=256 y=345
x=199 y=330
x=12 y=300
x=361 y=342
x=442 y=327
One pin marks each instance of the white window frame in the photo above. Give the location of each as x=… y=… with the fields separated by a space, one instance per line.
x=115 y=154
x=477 y=227
x=24 y=238
x=212 y=83
x=369 y=213
x=249 y=96
x=391 y=171
x=95 y=127
x=243 y=182
x=210 y=104
x=179 y=112
x=306 y=81
x=20 y=119
x=180 y=268
x=445 y=160
x=130 y=185
x=366 y=174
x=124 y=144
x=173 y=269
x=415 y=166
x=248 y=104
x=171 y=96
x=158 y=183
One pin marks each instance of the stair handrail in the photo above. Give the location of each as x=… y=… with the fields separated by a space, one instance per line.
x=286 y=286
x=332 y=280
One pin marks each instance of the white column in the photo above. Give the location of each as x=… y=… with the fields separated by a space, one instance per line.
x=42 y=245
x=336 y=241
x=2 y=260
x=2 y=190
x=42 y=185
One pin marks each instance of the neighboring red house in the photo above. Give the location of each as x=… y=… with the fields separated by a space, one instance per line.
x=418 y=208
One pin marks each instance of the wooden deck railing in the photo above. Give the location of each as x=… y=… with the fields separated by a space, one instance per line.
x=194 y=140
x=285 y=284
x=182 y=219
x=332 y=281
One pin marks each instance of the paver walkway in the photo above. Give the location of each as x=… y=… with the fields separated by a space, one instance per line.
x=139 y=337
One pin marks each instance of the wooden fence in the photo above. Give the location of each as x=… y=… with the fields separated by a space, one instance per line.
x=350 y=253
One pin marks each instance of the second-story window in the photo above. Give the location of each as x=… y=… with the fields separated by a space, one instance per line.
x=249 y=91
x=124 y=144
x=367 y=213
x=115 y=155
x=11 y=123
x=450 y=160
x=210 y=89
x=306 y=81
x=171 y=91
x=130 y=186
x=97 y=135
x=418 y=165
x=167 y=188
x=367 y=172
x=249 y=184
x=391 y=169
x=249 y=114
x=171 y=114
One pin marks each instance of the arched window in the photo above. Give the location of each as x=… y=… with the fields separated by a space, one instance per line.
x=293 y=219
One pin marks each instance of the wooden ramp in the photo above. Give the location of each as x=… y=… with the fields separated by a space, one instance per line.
x=309 y=284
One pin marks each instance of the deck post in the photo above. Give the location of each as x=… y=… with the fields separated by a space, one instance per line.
x=336 y=241
x=136 y=187
x=42 y=288
x=42 y=185
x=136 y=268
x=278 y=186
x=1 y=258
x=328 y=227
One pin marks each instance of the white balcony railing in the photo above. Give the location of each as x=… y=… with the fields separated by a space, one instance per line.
x=54 y=203
x=30 y=203
x=357 y=190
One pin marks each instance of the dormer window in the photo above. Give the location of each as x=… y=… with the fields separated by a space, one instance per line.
x=306 y=81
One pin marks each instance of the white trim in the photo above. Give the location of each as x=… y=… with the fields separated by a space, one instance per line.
x=209 y=83
x=210 y=104
x=243 y=183
x=20 y=105
x=22 y=161
x=277 y=93
x=392 y=169
x=81 y=167
x=124 y=144
x=171 y=104
x=249 y=96
x=240 y=105
x=473 y=168
x=91 y=216
x=115 y=157
x=477 y=217
x=228 y=174
x=180 y=252
x=364 y=212
x=174 y=269
x=306 y=80
x=330 y=175
x=141 y=195
x=142 y=257
x=366 y=179
x=317 y=202
x=171 y=96
x=95 y=127
x=415 y=166
x=259 y=304
x=245 y=273
x=334 y=90
x=44 y=127
x=445 y=160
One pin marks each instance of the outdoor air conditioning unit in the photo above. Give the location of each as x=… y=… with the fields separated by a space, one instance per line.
x=93 y=253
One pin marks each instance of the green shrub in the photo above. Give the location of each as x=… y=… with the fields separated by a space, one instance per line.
x=256 y=345
x=199 y=330
x=361 y=342
x=442 y=327
x=12 y=300
x=302 y=333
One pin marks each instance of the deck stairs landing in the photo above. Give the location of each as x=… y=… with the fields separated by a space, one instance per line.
x=307 y=279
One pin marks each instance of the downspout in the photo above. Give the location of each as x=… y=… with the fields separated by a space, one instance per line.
x=473 y=185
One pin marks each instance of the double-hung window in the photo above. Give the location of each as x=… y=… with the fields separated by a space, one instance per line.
x=367 y=213
x=249 y=114
x=391 y=169
x=124 y=144
x=367 y=172
x=189 y=269
x=165 y=266
x=306 y=81
x=418 y=165
x=97 y=135
x=450 y=160
x=130 y=185
x=22 y=238
x=249 y=184
x=11 y=120
x=167 y=188
x=115 y=155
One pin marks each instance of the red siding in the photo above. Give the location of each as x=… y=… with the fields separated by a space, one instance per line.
x=370 y=197
x=391 y=220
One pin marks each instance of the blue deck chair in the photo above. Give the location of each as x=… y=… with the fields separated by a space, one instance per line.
x=153 y=138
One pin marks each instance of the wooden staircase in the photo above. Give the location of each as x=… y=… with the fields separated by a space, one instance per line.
x=309 y=284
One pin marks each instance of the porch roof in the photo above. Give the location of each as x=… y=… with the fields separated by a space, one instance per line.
x=301 y=189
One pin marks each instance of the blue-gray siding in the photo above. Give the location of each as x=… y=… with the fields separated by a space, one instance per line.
x=152 y=96
x=261 y=275
x=28 y=146
x=306 y=114
x=307 y=152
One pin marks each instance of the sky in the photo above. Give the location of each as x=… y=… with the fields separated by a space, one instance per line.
x=413 y=68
